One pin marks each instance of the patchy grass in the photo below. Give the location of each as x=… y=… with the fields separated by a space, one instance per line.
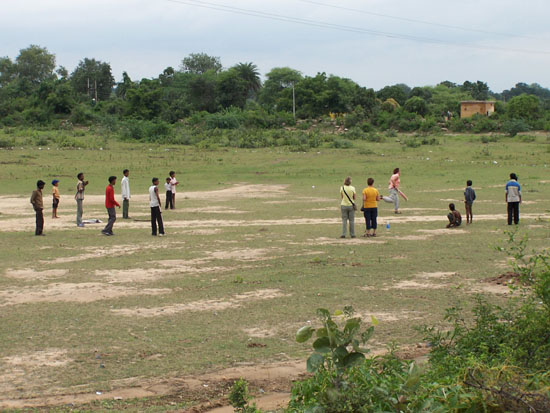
x=109 y=313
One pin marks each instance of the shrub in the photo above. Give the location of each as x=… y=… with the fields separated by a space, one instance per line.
x=514 y=126
x=341 y=143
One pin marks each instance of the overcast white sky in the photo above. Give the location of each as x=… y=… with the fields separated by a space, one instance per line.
x=508 y=41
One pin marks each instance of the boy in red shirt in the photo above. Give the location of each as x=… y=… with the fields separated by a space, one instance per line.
x=110 y=204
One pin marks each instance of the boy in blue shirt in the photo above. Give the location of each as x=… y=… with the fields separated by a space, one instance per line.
x=513 y=198
x=469 y=198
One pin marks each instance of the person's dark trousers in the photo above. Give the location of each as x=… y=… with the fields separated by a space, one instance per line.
x=370 y=215
x=125 y=208
x=169 y=203
x=156 y=217
x=39 y=222
x=513 y=211
x=112 y=218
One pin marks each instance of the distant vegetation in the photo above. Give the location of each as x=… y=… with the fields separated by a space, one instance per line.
x=203 y=95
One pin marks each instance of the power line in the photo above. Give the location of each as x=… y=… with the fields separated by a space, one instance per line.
x=407 y=19
x=352 y=29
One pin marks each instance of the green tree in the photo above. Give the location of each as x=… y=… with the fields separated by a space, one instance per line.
x=124 y=86
x=200 y=63
x=416 y=105
x=91 y=74
x=35 y=64
x=276 y=93
x=479 y=90
x=8 y=71
x=249 y=73
x=527 y=107
x=231 y=89
x=399 y=92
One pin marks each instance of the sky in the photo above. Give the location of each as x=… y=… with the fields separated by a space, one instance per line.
x=373 y=42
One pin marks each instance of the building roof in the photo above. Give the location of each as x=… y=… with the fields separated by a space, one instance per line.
x=478 y=101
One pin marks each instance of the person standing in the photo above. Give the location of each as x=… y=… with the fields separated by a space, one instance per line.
x=38 y=205
x=154 y=203
x=513 y=198
x=469 y=198
x=394 y=183
x=173 y=183
x=110 y=204
x=348 y=207
x=125 y=188
x=80 y=187
x=168 y=189
x=371 y=196
x=56 y=197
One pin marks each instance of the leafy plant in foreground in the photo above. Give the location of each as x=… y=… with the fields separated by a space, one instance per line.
x=336 y=349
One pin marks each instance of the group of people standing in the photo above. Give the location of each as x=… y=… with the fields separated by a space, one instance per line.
x=371 y=196
x=155 y=203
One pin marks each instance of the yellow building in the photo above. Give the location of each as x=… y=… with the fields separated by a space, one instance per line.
x=469 y=108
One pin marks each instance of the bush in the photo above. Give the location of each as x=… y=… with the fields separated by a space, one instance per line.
x=514 y=126
x=338 y=143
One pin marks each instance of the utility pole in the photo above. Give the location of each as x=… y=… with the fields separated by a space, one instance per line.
x=88 y=86
x=95 y=90
x=293 y=102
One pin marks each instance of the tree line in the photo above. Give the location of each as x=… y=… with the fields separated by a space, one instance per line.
x=201 y=92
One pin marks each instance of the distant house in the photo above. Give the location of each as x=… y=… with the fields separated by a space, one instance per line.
x=469 y=108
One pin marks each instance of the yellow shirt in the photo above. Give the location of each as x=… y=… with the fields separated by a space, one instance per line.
x=350 y=190
x=55 y=192
x=370 y=197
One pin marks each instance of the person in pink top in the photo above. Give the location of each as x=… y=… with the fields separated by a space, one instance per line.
x=394 y=183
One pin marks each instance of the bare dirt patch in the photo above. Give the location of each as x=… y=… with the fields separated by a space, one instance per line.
x=414 y=285
x=249 y=254
x=204 y=305
x=30 y=274
x=43 y=358
x=339 y=241
x=213 y=210
x=114 y=251
x=260 y=332
x=241 y=191
x=436 y=275
x=70 y=292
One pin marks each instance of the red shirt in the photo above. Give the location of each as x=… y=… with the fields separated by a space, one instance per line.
x=110 y=201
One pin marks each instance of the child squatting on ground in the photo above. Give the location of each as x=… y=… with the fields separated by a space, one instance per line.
x=455 y=219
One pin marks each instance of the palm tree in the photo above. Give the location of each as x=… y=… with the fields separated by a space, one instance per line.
x=249 y=73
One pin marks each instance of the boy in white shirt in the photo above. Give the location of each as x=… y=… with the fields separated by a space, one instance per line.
x=125 y=188
x=173 y=183
x=168 y=189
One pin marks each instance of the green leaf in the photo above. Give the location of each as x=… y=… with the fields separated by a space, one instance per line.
x=322 y=345
x=374 y=320
x=341 y=352
x=304 y=334
x=314 y=362
x=322 y=332
x=323 y=313
x=338 y=313
x=354 y=359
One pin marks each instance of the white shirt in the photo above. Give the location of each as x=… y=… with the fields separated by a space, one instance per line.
x=153 y=199
x=125 y=187
x=167 y=186
x=173 y=182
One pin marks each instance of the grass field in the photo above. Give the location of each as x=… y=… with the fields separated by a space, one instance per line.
x=251 y=252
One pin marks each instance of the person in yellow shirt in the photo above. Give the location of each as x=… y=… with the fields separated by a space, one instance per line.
x=371 y=196
x=347 y=207
x=56 y=197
